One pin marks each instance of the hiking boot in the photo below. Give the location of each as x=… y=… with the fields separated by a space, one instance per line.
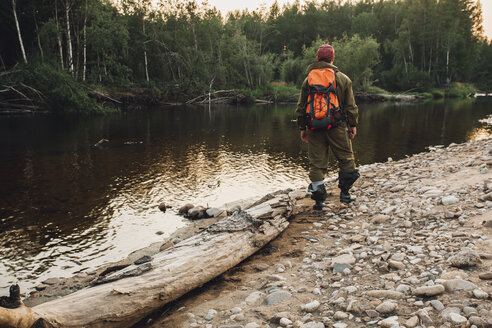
x=345 y=182
x=346 y=198
x=318 y=195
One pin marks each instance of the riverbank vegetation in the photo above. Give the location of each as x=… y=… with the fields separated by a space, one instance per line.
x=74 y=55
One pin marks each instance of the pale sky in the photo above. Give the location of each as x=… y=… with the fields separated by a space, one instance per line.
x=228 y=5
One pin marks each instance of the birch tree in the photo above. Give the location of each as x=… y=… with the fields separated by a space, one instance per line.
x=19 y=32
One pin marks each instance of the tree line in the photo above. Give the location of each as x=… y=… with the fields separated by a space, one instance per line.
x=182 y=49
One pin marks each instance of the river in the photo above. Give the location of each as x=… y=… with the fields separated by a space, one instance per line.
x=67 y=206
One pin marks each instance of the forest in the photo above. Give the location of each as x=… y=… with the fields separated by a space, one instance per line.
x=64 y=55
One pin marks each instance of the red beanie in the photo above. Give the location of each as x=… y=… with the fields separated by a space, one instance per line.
x=326 y=52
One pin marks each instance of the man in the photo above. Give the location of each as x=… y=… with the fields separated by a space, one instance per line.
x=333 y=131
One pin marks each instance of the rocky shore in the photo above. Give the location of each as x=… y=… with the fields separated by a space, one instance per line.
x=415 y=250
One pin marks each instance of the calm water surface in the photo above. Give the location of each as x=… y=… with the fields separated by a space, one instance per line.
x=67 y=206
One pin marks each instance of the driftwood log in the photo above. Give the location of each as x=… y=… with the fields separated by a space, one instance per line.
x=126 y=296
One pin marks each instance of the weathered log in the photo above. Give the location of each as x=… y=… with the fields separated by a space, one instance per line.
x=171 y=274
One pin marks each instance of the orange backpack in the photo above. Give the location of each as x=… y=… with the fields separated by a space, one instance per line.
x=323 y=110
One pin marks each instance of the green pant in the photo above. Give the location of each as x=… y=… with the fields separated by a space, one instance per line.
x=320 y=141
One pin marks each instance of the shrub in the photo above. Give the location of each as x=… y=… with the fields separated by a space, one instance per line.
x=461 y=90
x=62 y=93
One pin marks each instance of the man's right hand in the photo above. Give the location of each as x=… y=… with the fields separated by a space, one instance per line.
x=304 y=136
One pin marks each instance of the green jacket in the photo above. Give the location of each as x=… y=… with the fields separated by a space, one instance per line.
x=345 y=96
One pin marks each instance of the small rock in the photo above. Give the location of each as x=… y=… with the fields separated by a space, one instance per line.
x=310 y=307
x=343 y=259
x=197 y=212
x=166 y=245
x=429 y=290
x=425 y=318
x=284 y=322
x=437 y=305
x=142 y=260
x=386 y=307
x=339 y=325
x=339 y=315
x=464 y=258
x=385 y=294
x=185 y=208
x=457 y=318
x=449 y=200
x=313 y=324
x=261 y=266
x=480 y=294
x=276 y=297
x=252 y=325
x=477 y=321
x=389 y=322
x=396 y=265
x=412 y=322
x=486 y=275
x=236 y=310
x=212 y=211
x=380 y=218
x=458 y=285
x=254 y=298
x=237 y=317
x=162 y=207
x=339 y=267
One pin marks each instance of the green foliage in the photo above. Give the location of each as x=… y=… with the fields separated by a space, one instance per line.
x=365 y=24
x=275 y=91
x=356 y=57
x=436 y=93
x=461 y=90
x=62 y=94
x=179 y=49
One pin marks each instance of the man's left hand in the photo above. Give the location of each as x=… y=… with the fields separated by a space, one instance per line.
x=352 y=131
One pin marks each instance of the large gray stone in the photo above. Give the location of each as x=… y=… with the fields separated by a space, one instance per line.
x=276 y=297
x=429 y=290
x=313 y=324
x=385 y=294
x=386 y=307
x=464 y=258
x=343 y=259
x=254 y=298
x=449 y=200
x=454 y=285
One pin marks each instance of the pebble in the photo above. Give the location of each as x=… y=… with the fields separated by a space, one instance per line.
x=339 y=315
x=284 y=322
x=385 y=294
x=339 y=325
x=254 y=298
x=315 y=325
x=386 y=307
x=465 y=258
x=480 y=294
x=429 y=290
x=261 y=266
x=396 y=265
x=310 y=307
x=437 y=305
x=449 y=200
x=457 y=318
x=343 y=259
x=276 y=297
x=454 y=285
x=412 y=322
x=389 y=322
x=252 y=325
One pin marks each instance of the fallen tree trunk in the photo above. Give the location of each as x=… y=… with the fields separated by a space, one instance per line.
x=126 y=296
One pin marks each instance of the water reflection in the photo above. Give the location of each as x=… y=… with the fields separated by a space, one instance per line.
x=66 y=206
